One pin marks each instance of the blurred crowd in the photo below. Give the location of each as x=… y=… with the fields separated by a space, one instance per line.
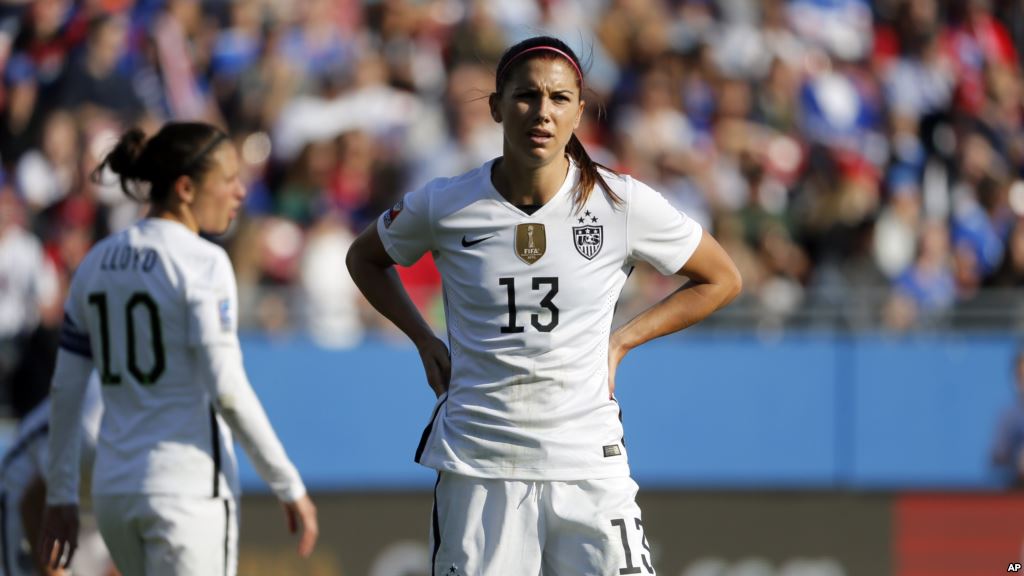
x=860 y=159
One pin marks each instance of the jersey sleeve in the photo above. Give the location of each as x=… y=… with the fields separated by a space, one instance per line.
x=213 y=331
x=74 y=331
x=406 y=229
x=67 y=394
x=657 y=232
x=213 y=304
x=92 y=417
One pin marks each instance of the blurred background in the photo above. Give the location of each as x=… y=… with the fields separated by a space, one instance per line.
x=854 y=412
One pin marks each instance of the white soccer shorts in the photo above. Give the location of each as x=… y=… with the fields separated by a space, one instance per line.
x=485 y=527
x=158 y=535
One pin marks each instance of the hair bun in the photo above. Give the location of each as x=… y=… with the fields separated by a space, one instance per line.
x=123 y=159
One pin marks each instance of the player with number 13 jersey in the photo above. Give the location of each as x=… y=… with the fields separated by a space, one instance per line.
x=529 y=300
x=533 y=249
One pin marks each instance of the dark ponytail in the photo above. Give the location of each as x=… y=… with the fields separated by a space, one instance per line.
x=548 y=47
x=590 y=175
x=178 y=149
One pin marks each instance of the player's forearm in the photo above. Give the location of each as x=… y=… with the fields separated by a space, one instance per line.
x=384 y=291
x=683 y=308
x=70 y=378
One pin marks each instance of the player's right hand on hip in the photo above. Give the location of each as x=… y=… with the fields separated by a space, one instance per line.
x=437 y=363
x=59 y=535
x=301 y=516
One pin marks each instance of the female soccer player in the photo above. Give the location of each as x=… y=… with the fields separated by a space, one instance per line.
x=154 y=307
x=533 y=249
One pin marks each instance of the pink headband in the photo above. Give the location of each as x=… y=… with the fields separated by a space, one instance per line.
x=535 y=49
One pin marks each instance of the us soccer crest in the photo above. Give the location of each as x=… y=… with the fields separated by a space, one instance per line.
x=531 y=242
x=588 y=239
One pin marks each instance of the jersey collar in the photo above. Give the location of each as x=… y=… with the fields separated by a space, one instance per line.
x=571 y=177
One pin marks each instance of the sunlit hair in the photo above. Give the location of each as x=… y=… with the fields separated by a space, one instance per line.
x=552 y=48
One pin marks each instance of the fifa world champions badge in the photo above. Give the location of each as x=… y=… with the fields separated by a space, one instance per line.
x=531 y=242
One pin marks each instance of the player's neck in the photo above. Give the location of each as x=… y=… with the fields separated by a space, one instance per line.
x=528 y=185
x=180 y=214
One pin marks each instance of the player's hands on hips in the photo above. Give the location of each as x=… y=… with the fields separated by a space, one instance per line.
x=301 y=515
x=616 y=352
x=59 y=535
x=437 y=363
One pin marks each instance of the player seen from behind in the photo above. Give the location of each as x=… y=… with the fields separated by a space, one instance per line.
x=154 y=309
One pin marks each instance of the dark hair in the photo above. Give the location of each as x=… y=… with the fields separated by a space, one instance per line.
x=178 y=149
x=590 y=174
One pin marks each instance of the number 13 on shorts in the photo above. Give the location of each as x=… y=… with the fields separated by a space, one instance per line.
x=636 y=559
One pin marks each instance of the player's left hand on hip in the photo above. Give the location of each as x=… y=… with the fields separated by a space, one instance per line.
x=437 y=363
x=59 y=536
x=616 y=353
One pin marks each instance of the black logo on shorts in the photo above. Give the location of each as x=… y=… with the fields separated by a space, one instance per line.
x=612 y=450
x=468 y=243
x=588 y=238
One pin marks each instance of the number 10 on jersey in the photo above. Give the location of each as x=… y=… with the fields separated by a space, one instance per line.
x=142 y=376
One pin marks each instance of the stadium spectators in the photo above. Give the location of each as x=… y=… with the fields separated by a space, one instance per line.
x=29 y=310
x=863 y=161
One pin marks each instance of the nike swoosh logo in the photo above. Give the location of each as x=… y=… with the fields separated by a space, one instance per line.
x=468 y=243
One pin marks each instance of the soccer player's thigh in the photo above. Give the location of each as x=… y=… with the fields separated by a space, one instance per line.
x=484 y=527
x=118 y=520
x=187 y=536
x=595 y=527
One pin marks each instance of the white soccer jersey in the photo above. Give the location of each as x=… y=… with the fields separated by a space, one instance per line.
x=145 y=305
x=529 y=301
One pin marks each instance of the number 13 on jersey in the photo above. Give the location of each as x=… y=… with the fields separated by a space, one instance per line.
x=547 y=302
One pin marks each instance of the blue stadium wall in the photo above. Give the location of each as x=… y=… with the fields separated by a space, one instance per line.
x=809 y=411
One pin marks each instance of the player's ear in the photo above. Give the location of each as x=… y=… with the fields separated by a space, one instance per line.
x=579 y=115
x=185 y=189
x=492 y=101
